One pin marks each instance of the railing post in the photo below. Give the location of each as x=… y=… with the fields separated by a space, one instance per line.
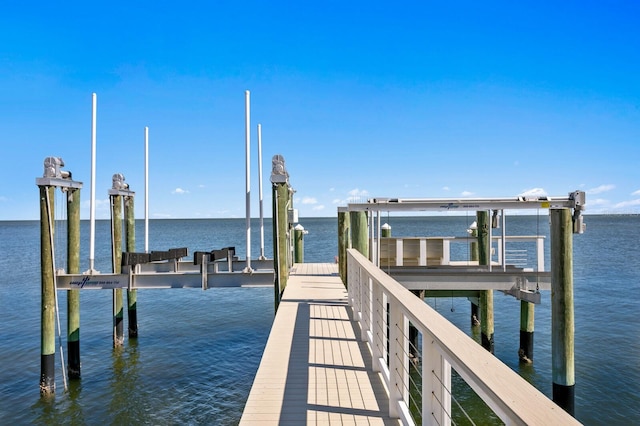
x=436 y=384
x=365 y=317
x=398 y=358
x=378 y=331
x=540 y=253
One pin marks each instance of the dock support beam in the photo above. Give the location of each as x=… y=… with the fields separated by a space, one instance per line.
x=116 y=257
x=73 y=296
x=486 y=296
x=47 y=318
x=132 y=295
x=525 y=352
x=562 y=316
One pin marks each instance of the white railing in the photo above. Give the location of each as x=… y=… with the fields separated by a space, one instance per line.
x=384 y=309
x=433 y=251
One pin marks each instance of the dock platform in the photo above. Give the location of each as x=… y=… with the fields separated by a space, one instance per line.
x=314 y=369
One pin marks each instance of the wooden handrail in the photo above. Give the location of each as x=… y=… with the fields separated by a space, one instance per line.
x=511 y=397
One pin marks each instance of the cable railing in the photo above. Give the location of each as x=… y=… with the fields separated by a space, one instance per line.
x=385 y=310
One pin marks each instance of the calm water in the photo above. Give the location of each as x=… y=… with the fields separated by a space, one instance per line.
x=198 y=350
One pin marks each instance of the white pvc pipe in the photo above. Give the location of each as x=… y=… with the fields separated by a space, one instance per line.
x=92 y=208
x=248 y=168
x=146 y=190
x=260 y=191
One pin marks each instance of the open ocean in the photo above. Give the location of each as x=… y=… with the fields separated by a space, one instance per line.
x=198 y=351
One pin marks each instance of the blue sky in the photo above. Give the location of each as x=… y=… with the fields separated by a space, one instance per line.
x=363 y=99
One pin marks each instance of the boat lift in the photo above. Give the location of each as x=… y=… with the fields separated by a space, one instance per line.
x=463 y=278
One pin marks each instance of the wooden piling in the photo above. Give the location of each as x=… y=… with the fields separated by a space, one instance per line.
x=116 y=257
x=562 y=316
x=298 y=244
x=132 y=295
x=486 y=296
x=344 y=242
x=473 y=249
x=359 y=232
x=525 y=352
x=73 y=296
x=280 y=200
x=47 y=318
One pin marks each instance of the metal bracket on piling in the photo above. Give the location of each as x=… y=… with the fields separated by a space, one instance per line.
x=579 y=199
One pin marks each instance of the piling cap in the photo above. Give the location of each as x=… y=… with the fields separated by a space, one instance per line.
x=386 y=226
x=473 y=227
x=300 y=228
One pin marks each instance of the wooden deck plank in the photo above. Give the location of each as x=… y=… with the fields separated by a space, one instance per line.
x=314 y=369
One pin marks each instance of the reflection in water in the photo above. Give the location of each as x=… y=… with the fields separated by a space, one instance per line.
x=126 y=405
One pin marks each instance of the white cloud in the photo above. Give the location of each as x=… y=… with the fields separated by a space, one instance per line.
x=309 y=200
x=331 y=189
x=337 y=201
x=600 y=189
x=633 y=193
x=358 y=192
x=3 y=198
x=318 y=207
x=201 y=186
x=516 y=163
x=357 y=195
x=533 y=192
x=162 y=215
x=105 y=203
x=179 y=191
x=446 y=188
x=597 y=202
x=629 y=203
x=466 y=193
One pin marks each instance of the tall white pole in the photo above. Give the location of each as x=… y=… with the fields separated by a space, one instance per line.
x=247 y=131
x=262 y=257
x=92 y=208
x=146 y=190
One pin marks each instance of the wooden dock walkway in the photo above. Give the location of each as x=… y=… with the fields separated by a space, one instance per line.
x=314 y=369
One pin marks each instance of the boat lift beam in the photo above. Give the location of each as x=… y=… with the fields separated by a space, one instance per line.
x=173 y=274
x=575 y=200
